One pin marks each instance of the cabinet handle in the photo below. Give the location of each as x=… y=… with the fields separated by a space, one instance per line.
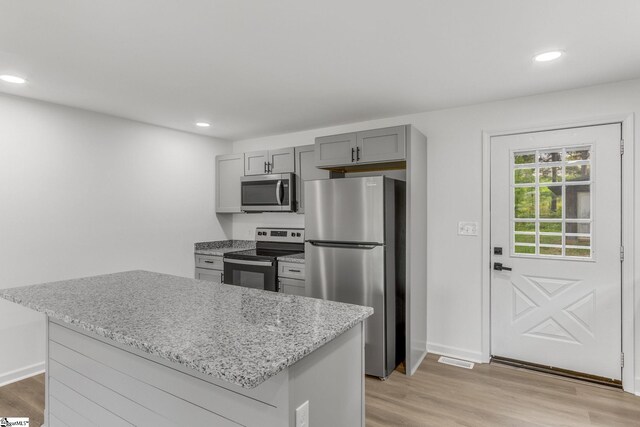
x=352 y=159
x=265 y=167
x=208 y=262
x=294 y=271
x=269 y=167
x=358 y=154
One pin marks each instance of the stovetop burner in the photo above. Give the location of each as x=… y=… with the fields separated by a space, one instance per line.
x=261 y=253
x=272 y=243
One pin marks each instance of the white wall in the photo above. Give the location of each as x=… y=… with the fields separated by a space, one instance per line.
x=455 y=194
x=84 y=194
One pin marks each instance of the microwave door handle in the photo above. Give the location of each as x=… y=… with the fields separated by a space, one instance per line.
x=279 y=192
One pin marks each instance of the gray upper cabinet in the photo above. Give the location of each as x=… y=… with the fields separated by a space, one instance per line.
x=382 y=145
x=281 y=161
x=371 y=146
x=229 y=169
x=271 y=161
x=307 y=170
x=336 y=150
x=255 y=162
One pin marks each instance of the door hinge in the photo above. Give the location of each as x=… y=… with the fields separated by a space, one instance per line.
x=621 y=253
x=622 y=360
x=621 y=147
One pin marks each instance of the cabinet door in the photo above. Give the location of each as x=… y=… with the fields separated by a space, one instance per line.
x=281 y=161
x=382 y=145
x=229 y=169
x=335 y=150
x=209 y=275
x=292 y=287
x=306 y=170
x=255 y=162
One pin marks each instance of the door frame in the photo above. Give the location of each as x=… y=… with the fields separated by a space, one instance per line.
x=630 y=294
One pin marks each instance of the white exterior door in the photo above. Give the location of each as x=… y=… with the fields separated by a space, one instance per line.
x=556 y=216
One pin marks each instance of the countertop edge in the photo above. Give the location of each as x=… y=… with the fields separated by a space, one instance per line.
x=245 y=382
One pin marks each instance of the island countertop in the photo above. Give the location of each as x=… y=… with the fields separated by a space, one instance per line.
x=239 y=335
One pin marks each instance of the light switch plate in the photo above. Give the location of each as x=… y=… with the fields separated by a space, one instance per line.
x=467 y=228
x=302 y=415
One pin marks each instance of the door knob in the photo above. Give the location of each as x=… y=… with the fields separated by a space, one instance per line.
x=499 y=267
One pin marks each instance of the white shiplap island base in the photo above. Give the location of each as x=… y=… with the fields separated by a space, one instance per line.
x=148 y=349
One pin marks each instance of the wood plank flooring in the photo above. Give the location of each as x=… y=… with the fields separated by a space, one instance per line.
x=442 y=395
x=24 y=399
x=494 y=395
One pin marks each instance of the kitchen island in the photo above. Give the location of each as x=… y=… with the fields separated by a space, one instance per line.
x=143 y=348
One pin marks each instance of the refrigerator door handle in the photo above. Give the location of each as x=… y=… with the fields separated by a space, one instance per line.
x=345 y=245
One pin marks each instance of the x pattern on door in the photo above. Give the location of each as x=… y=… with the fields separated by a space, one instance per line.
x=553 y=308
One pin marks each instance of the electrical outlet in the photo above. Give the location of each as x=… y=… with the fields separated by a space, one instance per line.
x=302 y=415
x=467 y=228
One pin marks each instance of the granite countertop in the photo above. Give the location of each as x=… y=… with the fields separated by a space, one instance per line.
x=295 y=258
x=240 y=335
x=221 y=247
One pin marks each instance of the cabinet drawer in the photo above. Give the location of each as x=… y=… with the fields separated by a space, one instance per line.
x=209 y=275
x=209 y=261
x=292 y=270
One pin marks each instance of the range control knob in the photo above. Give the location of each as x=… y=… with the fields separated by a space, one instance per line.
x=297 y=234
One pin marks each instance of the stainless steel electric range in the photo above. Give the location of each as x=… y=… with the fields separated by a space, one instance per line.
x=258 y=268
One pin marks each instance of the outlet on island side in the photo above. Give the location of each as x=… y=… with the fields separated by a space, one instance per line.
x=302 y=415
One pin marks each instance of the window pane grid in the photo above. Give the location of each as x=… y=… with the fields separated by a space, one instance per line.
x=552 y=202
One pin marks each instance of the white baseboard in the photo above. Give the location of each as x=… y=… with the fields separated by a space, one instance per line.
x=637 y=388
x=20 y=374
x=419 y=353
x=455 y=352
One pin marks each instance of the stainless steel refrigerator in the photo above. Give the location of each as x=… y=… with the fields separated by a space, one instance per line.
x=354 y=253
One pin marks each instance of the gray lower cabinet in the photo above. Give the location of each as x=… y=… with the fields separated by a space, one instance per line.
x=229 y=169
x=291 y=278
x=358 y=148
x=292 y=286
x=209 y=275
x=268 y=162
x=209 y=268
x=306 y=171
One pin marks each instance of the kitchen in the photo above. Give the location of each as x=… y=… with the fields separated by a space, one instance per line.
x=88 y=193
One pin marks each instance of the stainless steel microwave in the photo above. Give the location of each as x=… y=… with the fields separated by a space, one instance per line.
x=268 y=193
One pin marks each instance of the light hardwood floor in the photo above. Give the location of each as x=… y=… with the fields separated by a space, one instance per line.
x=441 y=395
x=24 y=399
x=494 y=395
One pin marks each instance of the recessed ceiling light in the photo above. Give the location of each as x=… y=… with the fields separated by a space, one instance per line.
x=548 y=56
x=12 y=79
x=203 y=124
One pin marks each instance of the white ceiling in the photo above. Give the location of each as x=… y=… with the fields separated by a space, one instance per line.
x=254 y=68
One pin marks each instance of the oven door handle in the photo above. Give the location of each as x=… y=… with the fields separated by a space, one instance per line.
x=246 y=262
x=279 y=191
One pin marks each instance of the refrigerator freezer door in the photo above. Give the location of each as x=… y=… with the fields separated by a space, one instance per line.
x=345 y=210
x=355 y=275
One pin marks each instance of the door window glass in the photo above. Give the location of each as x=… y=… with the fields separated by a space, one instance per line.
x=552 y=202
